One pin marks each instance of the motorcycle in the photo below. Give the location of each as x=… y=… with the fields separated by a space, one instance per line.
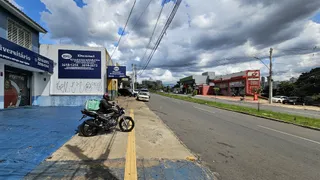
x=97 y=122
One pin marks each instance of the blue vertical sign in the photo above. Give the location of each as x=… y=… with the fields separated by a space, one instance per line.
x=75 y=64
x=116 y=72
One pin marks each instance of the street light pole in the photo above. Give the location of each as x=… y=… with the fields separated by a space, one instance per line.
x=270 y=78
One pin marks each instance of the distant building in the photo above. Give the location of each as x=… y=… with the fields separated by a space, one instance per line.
x=276 y=84
x=152 y=84
x=240 y=83
x=159 y=83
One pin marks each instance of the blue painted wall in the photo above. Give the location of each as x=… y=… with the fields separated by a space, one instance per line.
x=4 y=15
x=61 y=100
x=1 y=102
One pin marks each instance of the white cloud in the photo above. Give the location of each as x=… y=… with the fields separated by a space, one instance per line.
x=16 y=4
x=214 y=35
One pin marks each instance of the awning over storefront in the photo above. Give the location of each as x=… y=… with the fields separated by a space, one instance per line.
x=12 y=52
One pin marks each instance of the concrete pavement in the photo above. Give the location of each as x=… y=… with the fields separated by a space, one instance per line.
x=239 y=146
x=157 y=153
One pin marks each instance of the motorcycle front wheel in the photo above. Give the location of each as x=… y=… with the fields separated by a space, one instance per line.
x=126 y=124
x=87 y=130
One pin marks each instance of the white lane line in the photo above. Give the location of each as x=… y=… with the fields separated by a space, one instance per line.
x=306 y=139
x=203 y=109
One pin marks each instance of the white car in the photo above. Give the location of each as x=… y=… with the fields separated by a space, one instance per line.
x=143 y=95
x=134 y=93
x=279 y=99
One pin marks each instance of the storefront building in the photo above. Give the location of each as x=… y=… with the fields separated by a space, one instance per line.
x=79 y=75
x=201 y=83
x=241 y=83
x=21 y=65
x=48 y=75
x=187 y=84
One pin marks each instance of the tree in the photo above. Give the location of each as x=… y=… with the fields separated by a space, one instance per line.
x=216 y=90
x=286 y=88
x=176 y=86
x=308 y=84
x=265 y=91
x=168 y=89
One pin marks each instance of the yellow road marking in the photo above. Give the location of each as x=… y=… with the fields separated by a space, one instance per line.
x=130 y=172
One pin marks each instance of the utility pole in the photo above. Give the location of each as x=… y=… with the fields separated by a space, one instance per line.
x=270 y=78
x=134 y=76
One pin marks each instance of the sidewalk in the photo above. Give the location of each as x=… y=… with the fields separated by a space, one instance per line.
x=29 y=135
x=158 y=154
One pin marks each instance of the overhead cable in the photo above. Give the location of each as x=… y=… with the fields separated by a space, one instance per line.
x=151 y=37
x=173 y=12
x=123 y=30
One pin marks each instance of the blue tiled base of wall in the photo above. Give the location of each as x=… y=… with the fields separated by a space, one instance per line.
x=1 y=102
x=61 y=100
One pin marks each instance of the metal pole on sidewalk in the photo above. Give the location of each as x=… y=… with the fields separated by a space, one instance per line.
x=270 y=78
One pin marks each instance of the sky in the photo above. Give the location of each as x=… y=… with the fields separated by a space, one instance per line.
x=221 y=36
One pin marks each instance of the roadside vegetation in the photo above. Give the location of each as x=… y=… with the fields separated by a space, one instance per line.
x=294 y=119
x=307 y=86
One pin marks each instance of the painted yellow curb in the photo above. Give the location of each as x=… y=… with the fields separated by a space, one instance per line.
x=191 y=158
x=130 y=172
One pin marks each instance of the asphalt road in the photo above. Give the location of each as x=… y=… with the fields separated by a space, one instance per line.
x=299 y=112
x=238 y=146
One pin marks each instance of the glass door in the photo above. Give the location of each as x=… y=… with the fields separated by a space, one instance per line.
x=17 y=87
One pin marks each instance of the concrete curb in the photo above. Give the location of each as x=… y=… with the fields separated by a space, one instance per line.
x=273 y=119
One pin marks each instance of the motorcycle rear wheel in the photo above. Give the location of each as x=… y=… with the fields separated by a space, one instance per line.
x=126 y=124
x=87 y=130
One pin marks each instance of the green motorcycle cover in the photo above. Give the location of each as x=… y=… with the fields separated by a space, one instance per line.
x=92 y=105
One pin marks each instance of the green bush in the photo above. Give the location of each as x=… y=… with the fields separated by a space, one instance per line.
x=316 y=97
x=194 y=93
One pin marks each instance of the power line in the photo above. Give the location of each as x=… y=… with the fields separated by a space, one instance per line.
x=262 y=62
x=144 y=10
x=154 y=29
x=173 y=12
x=123 y=30
x=134 y=25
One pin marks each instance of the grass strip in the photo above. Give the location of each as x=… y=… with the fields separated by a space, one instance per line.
x=293 y=119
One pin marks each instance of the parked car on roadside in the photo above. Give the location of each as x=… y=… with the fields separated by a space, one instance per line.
x=143 y=95
x=279 y=99
x=125 y=92
x=135 y=92
x=293 y=100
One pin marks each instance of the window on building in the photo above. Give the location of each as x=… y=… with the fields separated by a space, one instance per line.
x=18 y=34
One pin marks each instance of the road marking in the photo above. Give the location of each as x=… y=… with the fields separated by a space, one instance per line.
x=306 y=139
x=203 y=109
x=130 y=172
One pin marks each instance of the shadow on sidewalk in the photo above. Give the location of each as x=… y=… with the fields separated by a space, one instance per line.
x=84 y=168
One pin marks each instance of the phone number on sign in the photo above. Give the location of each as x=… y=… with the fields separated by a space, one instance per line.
x=77 y=65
